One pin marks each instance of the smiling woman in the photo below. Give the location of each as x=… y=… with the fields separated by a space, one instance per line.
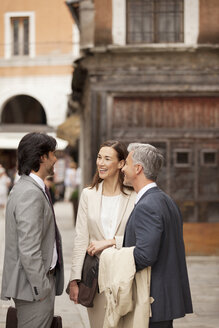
x=103 y=211
x=110 y=160
x=108 y=164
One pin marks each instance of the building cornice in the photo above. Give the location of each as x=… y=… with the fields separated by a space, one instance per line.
x=157 y=48
x=24 y=61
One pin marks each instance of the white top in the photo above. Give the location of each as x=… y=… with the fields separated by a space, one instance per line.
x=42 y=185
x=143 y=190
x=109 y=214
x=70 y=177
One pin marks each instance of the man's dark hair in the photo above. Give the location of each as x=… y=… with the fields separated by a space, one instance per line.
x=30 y=149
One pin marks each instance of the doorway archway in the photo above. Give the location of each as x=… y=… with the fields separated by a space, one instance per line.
x=23 y=109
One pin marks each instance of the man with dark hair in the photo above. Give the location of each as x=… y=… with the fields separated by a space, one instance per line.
x=155 y=229
x=33 y=264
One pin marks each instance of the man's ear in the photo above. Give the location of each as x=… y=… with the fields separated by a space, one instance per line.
x=43 y=158
x=138 y=169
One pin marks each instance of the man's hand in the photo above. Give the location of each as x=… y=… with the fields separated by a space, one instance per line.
x=98 y=246
x=73 y=291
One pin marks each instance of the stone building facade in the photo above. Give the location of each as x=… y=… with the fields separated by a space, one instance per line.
x=149 y=72
x=38 y=42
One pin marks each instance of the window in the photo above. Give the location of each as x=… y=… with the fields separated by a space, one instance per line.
x=182 y=157
x=20 y=35
x=158 y=21
x=209 y=157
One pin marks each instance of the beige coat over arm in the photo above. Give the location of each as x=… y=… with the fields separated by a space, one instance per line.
x=89 y=227
x=128 y=301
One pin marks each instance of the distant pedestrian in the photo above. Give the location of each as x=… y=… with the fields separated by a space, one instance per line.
x=5 y=182
x=70 y=181
x=155 y=228
x=33 y=263
x=78 y=177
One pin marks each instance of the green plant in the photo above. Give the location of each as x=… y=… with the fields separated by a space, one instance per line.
x=74 y=195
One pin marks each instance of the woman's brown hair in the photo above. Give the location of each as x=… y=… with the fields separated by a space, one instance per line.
x=122 y=153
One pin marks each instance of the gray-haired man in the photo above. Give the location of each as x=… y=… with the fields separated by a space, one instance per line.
x=155 y=229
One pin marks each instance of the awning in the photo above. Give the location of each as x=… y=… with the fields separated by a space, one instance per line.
x=10 y=140
x=70 y=129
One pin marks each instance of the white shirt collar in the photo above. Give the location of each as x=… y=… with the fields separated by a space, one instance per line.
x=38 y=180
x=143 y=190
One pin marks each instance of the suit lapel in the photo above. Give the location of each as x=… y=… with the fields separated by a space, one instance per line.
x=126 y=227
x=130 y=215
x=98 y=200
x=122 y=208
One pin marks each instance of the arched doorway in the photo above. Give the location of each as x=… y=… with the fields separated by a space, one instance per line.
x=23 y=109
x=19 y=113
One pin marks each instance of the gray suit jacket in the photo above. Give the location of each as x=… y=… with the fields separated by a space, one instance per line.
x=29 y=242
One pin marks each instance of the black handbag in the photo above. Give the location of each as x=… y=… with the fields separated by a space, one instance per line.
x=11 y=319
x=56 y=322
x=88 y=285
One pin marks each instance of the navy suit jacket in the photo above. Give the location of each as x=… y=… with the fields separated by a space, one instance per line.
x=155 y=228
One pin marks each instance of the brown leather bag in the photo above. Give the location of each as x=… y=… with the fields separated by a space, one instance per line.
x=88 y=285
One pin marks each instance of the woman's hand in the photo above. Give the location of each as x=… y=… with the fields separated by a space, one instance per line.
x=74 y=290
x=98 y=246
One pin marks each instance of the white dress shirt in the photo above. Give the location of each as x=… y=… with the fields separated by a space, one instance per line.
x=42 y=186
x=143 y=190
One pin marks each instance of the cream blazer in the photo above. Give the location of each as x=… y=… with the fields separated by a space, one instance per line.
x=128 y=301
x=89 y=227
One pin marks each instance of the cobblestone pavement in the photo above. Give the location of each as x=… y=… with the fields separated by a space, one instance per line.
x=203 y=274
